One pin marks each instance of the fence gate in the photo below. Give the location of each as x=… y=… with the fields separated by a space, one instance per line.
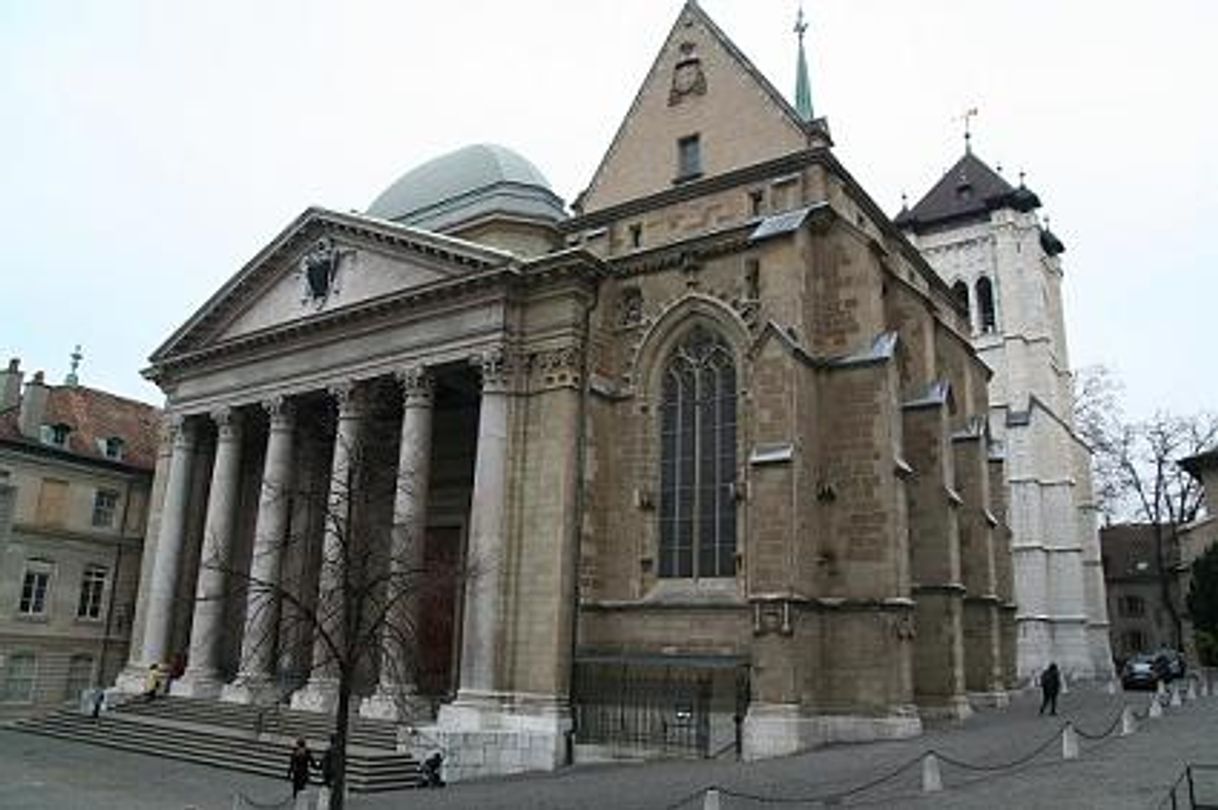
x=661 y=707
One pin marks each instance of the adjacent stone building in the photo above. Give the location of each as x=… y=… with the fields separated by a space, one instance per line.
x=1133 y=579
x=75 y=473
x=982 y=235
x=1196 y=538
x=714 y=448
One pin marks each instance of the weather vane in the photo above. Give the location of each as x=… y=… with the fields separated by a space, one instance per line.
x=800 y=25
x=967 y=118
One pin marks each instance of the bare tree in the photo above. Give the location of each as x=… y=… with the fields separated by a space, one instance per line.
x=1137 y=477
x=336 y=593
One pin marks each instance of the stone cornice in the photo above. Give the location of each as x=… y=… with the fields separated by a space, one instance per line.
x=697 y=249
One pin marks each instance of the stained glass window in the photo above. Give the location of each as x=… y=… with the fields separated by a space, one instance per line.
x=698 y=459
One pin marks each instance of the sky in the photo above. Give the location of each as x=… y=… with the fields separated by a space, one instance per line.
x=149 y=149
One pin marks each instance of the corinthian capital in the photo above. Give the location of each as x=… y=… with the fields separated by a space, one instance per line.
x=418 y=386
x=281 y=411
x=497 y=367
x=228 y=423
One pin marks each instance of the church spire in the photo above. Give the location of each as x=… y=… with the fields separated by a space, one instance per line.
x=803 y=88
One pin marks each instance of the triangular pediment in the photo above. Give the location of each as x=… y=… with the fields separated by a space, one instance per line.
x=322 y=262
x=699 y=85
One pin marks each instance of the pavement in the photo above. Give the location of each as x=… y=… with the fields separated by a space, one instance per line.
x=976 y=767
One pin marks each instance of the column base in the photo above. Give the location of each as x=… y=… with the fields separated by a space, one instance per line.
x=994 y=698
x=132 y=680
x=492 y=734
x=956 y=707
x=197 y=684
x=250 y=688
x=777 y=729
x=398 y=704
x=319 y=695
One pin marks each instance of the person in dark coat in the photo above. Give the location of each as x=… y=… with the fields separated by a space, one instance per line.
x=298 y=766
x=1050 y=685
x=431 y=771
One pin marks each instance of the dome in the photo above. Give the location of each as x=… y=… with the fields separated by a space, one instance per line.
x=470 y=183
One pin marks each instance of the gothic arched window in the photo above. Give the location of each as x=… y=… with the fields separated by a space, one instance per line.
x=698 y=459
x=985 y=304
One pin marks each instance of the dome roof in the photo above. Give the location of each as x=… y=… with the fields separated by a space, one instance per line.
x=471 y=182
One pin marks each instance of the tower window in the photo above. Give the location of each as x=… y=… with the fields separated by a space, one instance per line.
x=698 y=459
x=960 y=290
x=985 y=304
x=636 y=235
x=689 y=157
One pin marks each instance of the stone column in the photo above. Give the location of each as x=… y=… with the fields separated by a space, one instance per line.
x=164 y=586
x=202 y=678
x=399 y=647
x=255 y=682
x=320 y=694
x=487 y=536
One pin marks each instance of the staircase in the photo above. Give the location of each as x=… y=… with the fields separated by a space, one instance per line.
x=236 y=737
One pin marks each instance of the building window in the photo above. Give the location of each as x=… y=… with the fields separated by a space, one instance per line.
x=689 y=157
x=80 y=676
x=34 y=587
x=698 y=459
x=92 y=586
x=960 y=290
x=17 y=685
x=985 y=304
x=112 y=447
x=1135 y=641
x=1131 y=605
x=756 y=198
x=636 y=235
x=104 y=504
x=56 y=434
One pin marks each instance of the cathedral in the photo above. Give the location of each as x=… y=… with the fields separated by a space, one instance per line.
x=715 y=457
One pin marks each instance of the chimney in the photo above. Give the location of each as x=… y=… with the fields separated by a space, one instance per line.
x=10 y=385
x=34 y=407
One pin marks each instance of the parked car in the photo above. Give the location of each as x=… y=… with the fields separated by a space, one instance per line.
x=1141 y=672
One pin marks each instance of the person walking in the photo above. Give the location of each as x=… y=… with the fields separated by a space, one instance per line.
x=299 y=763
x=1050 y=685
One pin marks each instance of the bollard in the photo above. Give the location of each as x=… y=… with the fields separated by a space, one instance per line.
x=1065 y=679
x=1111 y=688
x=1069 y=742
x=932 y=781
x=1175 y=696
x=1205 y=686
x=1129 y=723
x=1191 y=694
x=711 y=800
x=1160 y=688
x=1156 y=708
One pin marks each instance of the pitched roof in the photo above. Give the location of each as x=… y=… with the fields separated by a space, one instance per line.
x=94 y=416
x=970 y=189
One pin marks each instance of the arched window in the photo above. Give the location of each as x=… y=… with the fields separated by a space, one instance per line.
x=985 y=304
x=698 y=459
x=960 y=290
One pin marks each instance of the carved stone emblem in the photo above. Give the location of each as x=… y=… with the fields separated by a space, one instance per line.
x=319 y=269
x=687 y=76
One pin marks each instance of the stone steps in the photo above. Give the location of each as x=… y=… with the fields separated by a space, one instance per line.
x=376 y=734
x=368 y=771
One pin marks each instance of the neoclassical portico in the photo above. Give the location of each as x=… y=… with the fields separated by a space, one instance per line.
x=319 y=456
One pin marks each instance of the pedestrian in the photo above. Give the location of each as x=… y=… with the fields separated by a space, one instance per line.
x=152 y=685
x=99 y=697
x=431 y=771
x=298 y=766
x=1050 y=685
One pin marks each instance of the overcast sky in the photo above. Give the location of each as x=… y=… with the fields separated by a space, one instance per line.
x=149 y=149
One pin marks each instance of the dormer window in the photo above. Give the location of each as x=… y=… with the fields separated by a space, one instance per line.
x=112 y=447
x=689 y=158
x=56 y=435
